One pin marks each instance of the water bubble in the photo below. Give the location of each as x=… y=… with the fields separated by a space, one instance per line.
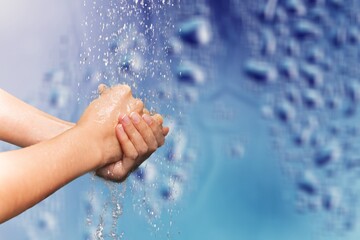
x=196 y=31
x=293 y=95
x=285 y=112
x=132 y=63
x=334 y=102
x=267 y=112
x=237 y=150
x=312 y=74
x=327 y=154
x=312 y=99
x=113 y=46
x=354 y=35
x=261 y=72
x=308 y=183
x=269 y=11
x=292 y=48
x=46 y=222
x=339 y=37
x=174 y=46
x=289 y=69
x=56 y=76
x=59 y=96
x=295 y=7
x=179 y=176
x=146 y=173
x=315 y=55
x=176 y=147
x=304 y=30
x=303 y=136
x=190 y=73
x=353 y=91
x=331 y=198
x=171 y=191
x=269 y=42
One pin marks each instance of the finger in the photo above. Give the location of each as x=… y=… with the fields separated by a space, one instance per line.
x=165 y=130
x=145 y=131
x=158 y=118
x=101 y=88
x=145 y=111
x=139 y=106
x=134 y=136
x=123 y=89
x=129 y=151
x=156 y=129
x=114 y=172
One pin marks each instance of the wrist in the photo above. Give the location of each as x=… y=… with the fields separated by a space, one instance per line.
x=90 y=143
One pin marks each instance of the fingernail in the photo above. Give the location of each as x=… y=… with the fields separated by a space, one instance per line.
x=147 y=119
x=135 y=117
x=126 y=120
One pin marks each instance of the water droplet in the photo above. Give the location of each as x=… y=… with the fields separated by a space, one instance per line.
x=285 y=112
x=295 y=7
x=331 y=198
x=190 y=73
x=289 y=69
x=196 y=31
x=313 y=75
x=315 y=55
x=327 y=154
x=261 y=72
x=268 y=43
x=308 y=183
x=171 y=191
x=354 y=35
x=174 y=46
x=353 y=91
x=146 y=173
x=304 y=30
x=312 y=99
x=237 y=150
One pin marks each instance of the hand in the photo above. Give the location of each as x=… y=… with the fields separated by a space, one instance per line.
x=101 y=117
x=139 y=137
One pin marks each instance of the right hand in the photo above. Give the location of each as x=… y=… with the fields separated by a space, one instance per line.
x=101 y=117
x=139 y=137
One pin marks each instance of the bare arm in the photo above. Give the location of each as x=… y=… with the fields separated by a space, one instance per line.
x=29 y=175
x=24 y=125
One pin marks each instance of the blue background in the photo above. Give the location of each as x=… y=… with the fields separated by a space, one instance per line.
x=234 y=181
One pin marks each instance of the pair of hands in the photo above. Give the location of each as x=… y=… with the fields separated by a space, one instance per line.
x=124 y=132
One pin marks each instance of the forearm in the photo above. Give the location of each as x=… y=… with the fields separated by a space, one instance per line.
x=24 y=125
x=29 y=175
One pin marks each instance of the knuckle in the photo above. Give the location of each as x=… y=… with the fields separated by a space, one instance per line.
x=134 y=155
x=125 y=89
x=143 y=150
x=161 y=142
x=140 y=104
x=152 y=148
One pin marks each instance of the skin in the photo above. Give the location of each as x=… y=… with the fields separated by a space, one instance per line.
x=113 y=137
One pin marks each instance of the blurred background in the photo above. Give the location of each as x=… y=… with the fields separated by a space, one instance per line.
x=261 y=96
